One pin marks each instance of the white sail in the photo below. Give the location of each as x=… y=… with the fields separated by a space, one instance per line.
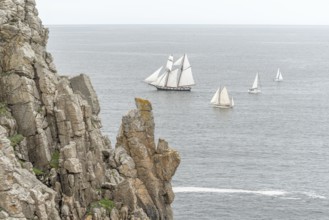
x=154 y=76
x=224 y=99
x=186 y=78
x=172 y=78
x=280 y=77
x=179 y=61
x=161 y=81
x=176 y=76
x=278 y=74
x=215 y=98
x=169 y=63
x=256 y=81
x=186 y=63
x=232 y=102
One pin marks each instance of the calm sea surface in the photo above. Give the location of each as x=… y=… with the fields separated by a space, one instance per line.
x=268 y=158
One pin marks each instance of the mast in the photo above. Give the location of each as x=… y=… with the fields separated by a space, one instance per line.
x=278 y=74
x=181 y=70
x=172 y=78
x=220 y=91
x=186 y=76
x=168 y=68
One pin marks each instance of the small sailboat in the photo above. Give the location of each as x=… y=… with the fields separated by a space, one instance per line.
x=221 y=99
x=255 y=86
x=278 y=77
x=175 y=77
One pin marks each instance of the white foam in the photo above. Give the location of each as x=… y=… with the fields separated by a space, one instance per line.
x=292 y=198
x=229 y=191
x=313 y=195
x=292 y=195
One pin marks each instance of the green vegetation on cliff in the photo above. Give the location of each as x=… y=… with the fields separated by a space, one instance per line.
x=3 y=109
x=16 y=139
x=105 y=203
x=54 y=162
x=37 y=171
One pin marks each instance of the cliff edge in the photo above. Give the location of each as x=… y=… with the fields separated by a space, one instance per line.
x=54 y=161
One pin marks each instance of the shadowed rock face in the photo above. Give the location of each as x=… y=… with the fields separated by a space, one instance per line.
x=49 y=126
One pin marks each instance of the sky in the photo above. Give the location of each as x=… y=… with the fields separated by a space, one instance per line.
x=273 y=12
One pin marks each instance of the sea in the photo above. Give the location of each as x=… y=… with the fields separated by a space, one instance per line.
x=268 y=157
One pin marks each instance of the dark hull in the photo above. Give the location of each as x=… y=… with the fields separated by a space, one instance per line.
x=173 y=88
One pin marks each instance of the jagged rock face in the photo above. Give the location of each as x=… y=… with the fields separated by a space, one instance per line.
x=155 y=165
x=22 y=194
x=28 y=76
x=54 y=131
x=52 y=115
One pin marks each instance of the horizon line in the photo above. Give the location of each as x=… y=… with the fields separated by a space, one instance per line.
x=192 y=24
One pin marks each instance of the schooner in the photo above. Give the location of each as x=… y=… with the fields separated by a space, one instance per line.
x=174 y=77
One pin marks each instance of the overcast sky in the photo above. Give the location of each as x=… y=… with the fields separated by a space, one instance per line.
x=306 y=12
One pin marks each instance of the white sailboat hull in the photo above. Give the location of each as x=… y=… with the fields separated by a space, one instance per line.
x=165 y=88
x=254 y=91
x=278 y=80
x=222 y=106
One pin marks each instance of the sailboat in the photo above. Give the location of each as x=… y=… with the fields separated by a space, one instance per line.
x=255 y=86
x=278 y=77
x=221 y=99
x=175 y=77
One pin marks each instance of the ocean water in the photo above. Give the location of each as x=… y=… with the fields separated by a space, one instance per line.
x=268 y=158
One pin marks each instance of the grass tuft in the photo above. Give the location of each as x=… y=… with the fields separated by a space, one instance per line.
x=3 y=109
x=37 y=171
x=16 y=139
x=105 y=203
x=54 y=162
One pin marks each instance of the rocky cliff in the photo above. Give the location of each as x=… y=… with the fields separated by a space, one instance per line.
x=54 y=161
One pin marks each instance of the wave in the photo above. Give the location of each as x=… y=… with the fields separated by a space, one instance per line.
x=230 y=191
x=312 y=195
x=242 y=191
